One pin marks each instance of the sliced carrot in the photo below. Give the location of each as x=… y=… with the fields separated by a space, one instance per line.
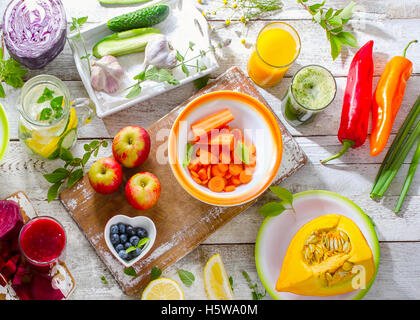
x=197 y=180
x=223 y=167
x=244 y=177
x=217 y=184
x=224 y=157
x=249 y=170
x=215 y=121
x=216 y=172
x=194 y=165
x=235 y=169
x=229 y=188
x=235 y=180
x=205 y=181
x=197 y=153
x=228 y=175
x=202 y=174
x=207 y=157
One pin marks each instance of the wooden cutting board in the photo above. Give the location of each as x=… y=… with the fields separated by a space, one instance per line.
x=182 y=222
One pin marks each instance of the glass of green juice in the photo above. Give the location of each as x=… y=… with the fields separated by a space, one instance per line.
x=312 y=90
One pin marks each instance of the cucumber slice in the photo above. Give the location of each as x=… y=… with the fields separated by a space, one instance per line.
x=122 y=1
x=68 y=140
x=125 y=42
x=144 y=17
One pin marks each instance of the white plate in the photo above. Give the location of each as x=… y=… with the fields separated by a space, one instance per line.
x=184 y=24
x=277 y=232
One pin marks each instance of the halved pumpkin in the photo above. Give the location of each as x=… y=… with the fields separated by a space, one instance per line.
x=328 y=256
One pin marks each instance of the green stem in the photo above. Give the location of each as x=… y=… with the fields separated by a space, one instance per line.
x=347 y=144
x=405 y=50
x=409 y=178
x=398 y=141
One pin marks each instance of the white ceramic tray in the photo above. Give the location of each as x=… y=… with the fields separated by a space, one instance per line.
x=184 y=24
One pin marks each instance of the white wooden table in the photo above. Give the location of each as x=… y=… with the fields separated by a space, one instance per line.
x=390 y=23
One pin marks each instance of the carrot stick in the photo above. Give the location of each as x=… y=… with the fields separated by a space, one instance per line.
x=217 y=184
x=214 y=121
x=202 y=174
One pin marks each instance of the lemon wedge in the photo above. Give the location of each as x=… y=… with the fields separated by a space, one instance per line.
x=216 y=280
x=163 y=289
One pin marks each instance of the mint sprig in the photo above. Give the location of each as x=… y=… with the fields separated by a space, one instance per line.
x=76 y=25
x=11 y=73
x=256 y=294
x=55 y=110
x=73 y=168
x=333 y=21
x=272 y=209
x=186 y=277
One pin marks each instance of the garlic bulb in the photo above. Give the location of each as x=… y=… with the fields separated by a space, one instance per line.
x=106 y=74
x=159 y=53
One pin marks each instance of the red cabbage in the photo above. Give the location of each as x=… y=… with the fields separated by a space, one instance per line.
x=34 y=31
x=11 y=220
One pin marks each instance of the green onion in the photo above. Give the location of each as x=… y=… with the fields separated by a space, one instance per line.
x=397 y=153
x=409 y=178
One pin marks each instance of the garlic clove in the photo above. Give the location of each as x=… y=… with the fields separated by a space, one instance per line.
x=159 y=53
x=106 y=74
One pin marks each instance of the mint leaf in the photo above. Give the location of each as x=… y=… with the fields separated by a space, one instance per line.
x=201 y=82
x=129 y=271
x=186 y=277
x=74 y=177
x=283 y=194
x=57 y=175
x=156 y=273
x=45 y=114
x=271 y=209
x=231 y=282
x=242 y=152
x=81 y=20
x=46 y=95
x=134 y=92
x=53 y=191
x=104 y=281
x=65 y=155
x=57 y=102
x=2 y=92
x=129 y=249
x=347 y=38
x=143 y=242
x=335 y=46
x=188 y=155
x=256 y=295
x=348 y=11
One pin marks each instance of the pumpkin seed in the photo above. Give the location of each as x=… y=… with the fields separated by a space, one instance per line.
x=347 y=266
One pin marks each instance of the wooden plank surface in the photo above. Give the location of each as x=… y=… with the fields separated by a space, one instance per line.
x=390 y=23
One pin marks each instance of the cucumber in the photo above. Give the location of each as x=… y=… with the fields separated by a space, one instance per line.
x=125 y=42
x=122 y=1
x=68 y=140
x=142 y=18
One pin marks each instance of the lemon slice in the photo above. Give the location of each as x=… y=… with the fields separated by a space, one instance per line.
x=216 y=280
x=163 y=289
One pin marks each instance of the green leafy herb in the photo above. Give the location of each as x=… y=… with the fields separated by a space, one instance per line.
x=231 y=282
x=272 y=209
x=242 y=152
x=129 y=271
x=11 y=73
x=156 y=273
x=128 y=250
x=140 y=244
x=333 y=21
x=201 y=82
x=256 y=295
x=188 y=155
x=76 y=24
x=46 y=95
x=73 y=168
x=163 y=75
x=186 y=277
x=104 y=281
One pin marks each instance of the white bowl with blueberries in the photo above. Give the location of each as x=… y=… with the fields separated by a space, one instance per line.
x=129 y=239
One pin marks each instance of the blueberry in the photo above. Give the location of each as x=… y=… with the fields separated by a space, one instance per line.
x=121 y=228
x=127 y=245
x=119 y=247
x=135 y=253
x=123 y=238
x=141 y=233
x=130 y=231
x=113 y=229
x=134 y=240
x=115 y=239
x=123 y=254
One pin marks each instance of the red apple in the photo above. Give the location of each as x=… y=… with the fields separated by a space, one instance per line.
x=105 y=175
x=142 y=190
x=131 y=146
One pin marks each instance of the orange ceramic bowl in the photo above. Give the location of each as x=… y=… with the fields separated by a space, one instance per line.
x=259 y=126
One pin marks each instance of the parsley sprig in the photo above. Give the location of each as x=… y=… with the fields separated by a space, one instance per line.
x=11 y=73
x=73 y=168
x=76 y=24
x=333 y=21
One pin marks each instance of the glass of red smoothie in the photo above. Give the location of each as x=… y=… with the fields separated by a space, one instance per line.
x=42 y=241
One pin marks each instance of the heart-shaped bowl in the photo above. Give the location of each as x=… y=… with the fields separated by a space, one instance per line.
x=4 y=132
x=259 y=125
x=139 y=221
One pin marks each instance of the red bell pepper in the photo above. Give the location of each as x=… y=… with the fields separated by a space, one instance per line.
x=357 y=101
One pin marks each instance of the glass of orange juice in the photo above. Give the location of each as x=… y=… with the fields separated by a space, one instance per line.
x=277 y=47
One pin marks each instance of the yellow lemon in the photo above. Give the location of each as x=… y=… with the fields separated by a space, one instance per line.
x=216 y=280
x=163 y=289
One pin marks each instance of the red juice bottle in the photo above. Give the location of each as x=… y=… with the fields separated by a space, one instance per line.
x=42 y=242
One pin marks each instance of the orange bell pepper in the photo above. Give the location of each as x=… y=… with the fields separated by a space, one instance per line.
x=387 y=99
